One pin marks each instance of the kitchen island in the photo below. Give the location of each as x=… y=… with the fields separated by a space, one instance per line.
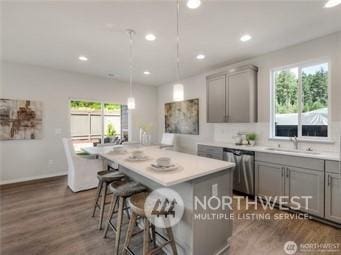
x=199 y=232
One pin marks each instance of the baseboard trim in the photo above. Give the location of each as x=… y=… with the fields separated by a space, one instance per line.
x=32 y=179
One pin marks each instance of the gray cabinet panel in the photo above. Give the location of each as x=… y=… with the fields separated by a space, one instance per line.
x=269 y=181
x=333 y=197
x=216 y=88
x=238 y=93
x=332 y=166
x=210 y=152
x=232 y=96
x=302 y=182
x=308 y=163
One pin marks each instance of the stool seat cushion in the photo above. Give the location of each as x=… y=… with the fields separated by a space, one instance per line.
x=109 y=176
x=126 y=188
x=137 y=202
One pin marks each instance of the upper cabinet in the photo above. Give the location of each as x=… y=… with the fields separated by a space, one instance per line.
x=232 y=96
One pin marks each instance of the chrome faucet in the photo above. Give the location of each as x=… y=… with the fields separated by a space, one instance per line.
x=295 y=141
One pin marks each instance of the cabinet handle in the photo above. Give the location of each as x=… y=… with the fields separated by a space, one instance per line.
x=329 y=180
x=288 y=172
x=282 y=171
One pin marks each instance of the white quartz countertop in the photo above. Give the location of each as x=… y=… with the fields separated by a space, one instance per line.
x=320 y=155
x=190 y=166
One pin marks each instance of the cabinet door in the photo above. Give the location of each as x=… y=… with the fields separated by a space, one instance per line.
x=216 y=88
x=269 y=181
x=306 y=182
x=238 y=97
x=333 y=197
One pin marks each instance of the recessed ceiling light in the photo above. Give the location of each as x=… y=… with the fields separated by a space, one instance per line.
x=150 y=37
x=146 y=72
x=83 y=58
x=193 y=4
x=332 y=3
x=201 y=56
x=246 y=38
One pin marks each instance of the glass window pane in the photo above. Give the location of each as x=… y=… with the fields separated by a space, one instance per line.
x=286 y=103
x=315 y=100
x=112 y=123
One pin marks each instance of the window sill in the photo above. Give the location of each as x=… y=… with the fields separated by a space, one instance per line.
x=303 y=140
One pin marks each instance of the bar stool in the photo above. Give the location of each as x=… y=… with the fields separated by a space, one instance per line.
x=136 y=203
x=121 y=191
x=104 y=179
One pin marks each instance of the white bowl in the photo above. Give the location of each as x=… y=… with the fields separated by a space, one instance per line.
x=164 y=161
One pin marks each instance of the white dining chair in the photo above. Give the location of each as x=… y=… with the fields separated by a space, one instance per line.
x=82 y=172
x=167 y=141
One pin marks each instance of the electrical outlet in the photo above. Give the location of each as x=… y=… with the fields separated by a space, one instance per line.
x=215 y=190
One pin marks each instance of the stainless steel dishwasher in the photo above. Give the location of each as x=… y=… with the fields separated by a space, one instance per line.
x=244 y=172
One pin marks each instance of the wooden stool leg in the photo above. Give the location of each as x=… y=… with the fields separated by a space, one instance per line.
x=98 y=193
x=153 y=235
x=111 y=213
x=119 y=224
x=104 y=195
x=170 y=237
x=130 y=230
x=172 y=241
x=146 y=239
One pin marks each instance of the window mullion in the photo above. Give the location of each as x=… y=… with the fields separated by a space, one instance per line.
x=102 y=119
x=299 y=103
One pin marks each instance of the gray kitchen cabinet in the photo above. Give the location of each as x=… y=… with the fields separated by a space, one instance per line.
x=305 y=182
x=210 y=152
x=232 y=96
x=333 y=192
x=269 y=180
x=279 y=175
x=216 y=90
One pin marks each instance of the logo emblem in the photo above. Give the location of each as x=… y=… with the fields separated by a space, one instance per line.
x=164 y=208
x=290 y=247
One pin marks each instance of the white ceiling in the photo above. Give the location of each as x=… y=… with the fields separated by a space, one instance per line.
x=54 y=34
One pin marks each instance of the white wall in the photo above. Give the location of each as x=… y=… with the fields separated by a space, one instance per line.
x=195 y=87
x=28 y=159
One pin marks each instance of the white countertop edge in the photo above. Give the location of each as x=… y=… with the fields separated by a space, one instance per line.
x=334 y=156
x=168 y=184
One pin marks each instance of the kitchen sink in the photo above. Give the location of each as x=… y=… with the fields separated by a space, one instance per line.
x=293 y=151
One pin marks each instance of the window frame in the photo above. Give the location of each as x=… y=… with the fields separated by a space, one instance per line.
x=300 y=66
x=102 y=102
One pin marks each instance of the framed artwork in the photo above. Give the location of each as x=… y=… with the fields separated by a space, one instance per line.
x=182 y=117
x=20 y=119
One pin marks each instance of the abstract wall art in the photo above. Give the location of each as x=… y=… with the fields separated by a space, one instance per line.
x=182 y=117
x=20 y=119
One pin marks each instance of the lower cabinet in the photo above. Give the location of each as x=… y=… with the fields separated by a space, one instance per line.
x=333 y=197
x=274 y=180
x=269 y=181
x=309 y=183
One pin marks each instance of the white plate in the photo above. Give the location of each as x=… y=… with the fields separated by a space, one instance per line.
x=172 y=167
x=132 y=159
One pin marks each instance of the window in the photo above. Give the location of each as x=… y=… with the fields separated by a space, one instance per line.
x=300 y=101
x=97 y=122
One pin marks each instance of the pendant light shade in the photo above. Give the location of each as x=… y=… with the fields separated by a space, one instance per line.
x=178 y=88
x=131 y=103
x=131 y=99
x=178 y=92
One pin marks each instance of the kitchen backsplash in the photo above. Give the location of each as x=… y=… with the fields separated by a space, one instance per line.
x=225 y=132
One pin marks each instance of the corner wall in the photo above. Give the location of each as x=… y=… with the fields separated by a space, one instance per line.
x=31 y=159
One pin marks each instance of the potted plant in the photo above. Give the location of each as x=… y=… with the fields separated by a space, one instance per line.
x=251 y=137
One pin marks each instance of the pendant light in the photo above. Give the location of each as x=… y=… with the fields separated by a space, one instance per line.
x=131 y=99
x=178 y=88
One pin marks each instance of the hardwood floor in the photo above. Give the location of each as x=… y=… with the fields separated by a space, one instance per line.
x=45 y=217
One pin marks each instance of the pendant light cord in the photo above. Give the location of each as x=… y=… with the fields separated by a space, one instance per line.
x=177 y=40
x=131 y=58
